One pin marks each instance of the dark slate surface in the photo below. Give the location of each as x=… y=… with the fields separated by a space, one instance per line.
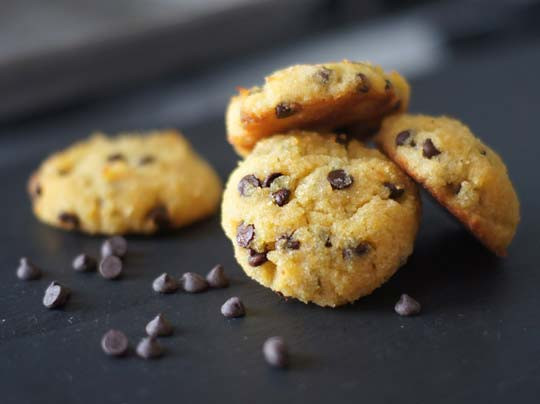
x=477 y=339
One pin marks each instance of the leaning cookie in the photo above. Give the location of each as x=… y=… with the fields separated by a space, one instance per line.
x=318 y=220
x=126 y=184
x=321 y=97
x=460 y=171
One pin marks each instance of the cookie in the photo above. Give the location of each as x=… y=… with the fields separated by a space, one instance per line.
x=460 y=171
x=320 y=97
x=125 y=184
x=319 y=220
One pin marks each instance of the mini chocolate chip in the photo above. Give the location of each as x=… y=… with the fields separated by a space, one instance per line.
x=245 y=234
x=36 y=190
x=27 y=271
x=116 y=245
x=84 y=263
x=388 y=85
x=281 y=196
x=275 y=352
x=114 y=343
x=69 y=219
x=483 y=152
x=286 y=109
x=270 y=179
x=164 y=284
x=216 y=278
x=407 y=306
x=429 y=150
x=323 y=75
x=149 y=348
x=364 y=85
x=193 y=283
x=116 y=157
x=148 y=159
x=256 y=259
x=402 y=137
x=159 y=326
x=395 y=192
x=56 y=295
x=160 y=216
x=328 y=243
x=233 y=308
x=361 y=249
x=110 y=267
x=289 y=243
x=412 y=143
x=248 y=184
x=339 y=179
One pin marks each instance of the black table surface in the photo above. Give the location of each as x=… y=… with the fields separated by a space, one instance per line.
x=476 y=340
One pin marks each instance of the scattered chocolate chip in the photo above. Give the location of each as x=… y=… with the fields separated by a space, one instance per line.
x=281 y=196
x=216 y=278
x=429 y=150
x=395 y=192
x=116 y=157
x=270 y=178
x=159 y=326
x=36 y=190
x=164 y=284
x=248 y=184
x=69 y=219
x=245 y=234
x=193 y=283
x=116 y=245
x=289 y=243
x=364 y=85
x=114 y=343
x=483 y=152
x=339 y=179
x=56 y=295
x=149 y=348
x=256 y=259
x=328 y=243
x=286 y=109
x=148 y=159
x=361 y=249
x=84 y=263
x=110 y=267
x=275 y=352
x=402 y=137
x=27 y=271
x=233 y=308
x=388 y=85
x=407 y=306
x=323 y=75
x=160 y=216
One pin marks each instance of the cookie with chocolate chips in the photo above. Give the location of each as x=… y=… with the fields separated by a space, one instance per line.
x=132 y=183
x=459 y=170
x=323 y=222
x=320 y=97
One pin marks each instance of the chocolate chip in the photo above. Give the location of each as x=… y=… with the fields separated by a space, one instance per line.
x=361 y=249
x=395 y=192
x=281 y=196
x=114 y=343
x=275 y=352
x=36 y=190
x=256 y=259
x=160 y=216
x=288 y=242
x=27 y=271
x=407 y=306
x=323 y=75
x=69 y=219
x=116 y=245
x=116 y=157
x=248 y=184
x=56 y=295
x=402 y=137
x=286 y=109
x=159 y=326
x=364 y=85
x=339 y=179
x=429 y=150
x=270 y=178
x=328 y=243
x=164 y=284
x=148 y=159
x=216 y=278
x=388 y=85
x=483 y=152
x=84 y=263
x=245 y=234
x=110 y=267
x=193 y=283
x=233 y=308
x=149 y=348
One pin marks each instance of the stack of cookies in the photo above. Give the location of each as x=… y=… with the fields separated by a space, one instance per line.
x=315 y=214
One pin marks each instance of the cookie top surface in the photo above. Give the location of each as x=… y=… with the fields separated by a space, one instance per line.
x=459 y=170
x=318 y=220
x=126 y=184
x=321 y=97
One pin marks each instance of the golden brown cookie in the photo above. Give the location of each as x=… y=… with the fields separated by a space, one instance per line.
x=318 y=220
x=125 y=184
x=320 y=97
x=460 y=171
